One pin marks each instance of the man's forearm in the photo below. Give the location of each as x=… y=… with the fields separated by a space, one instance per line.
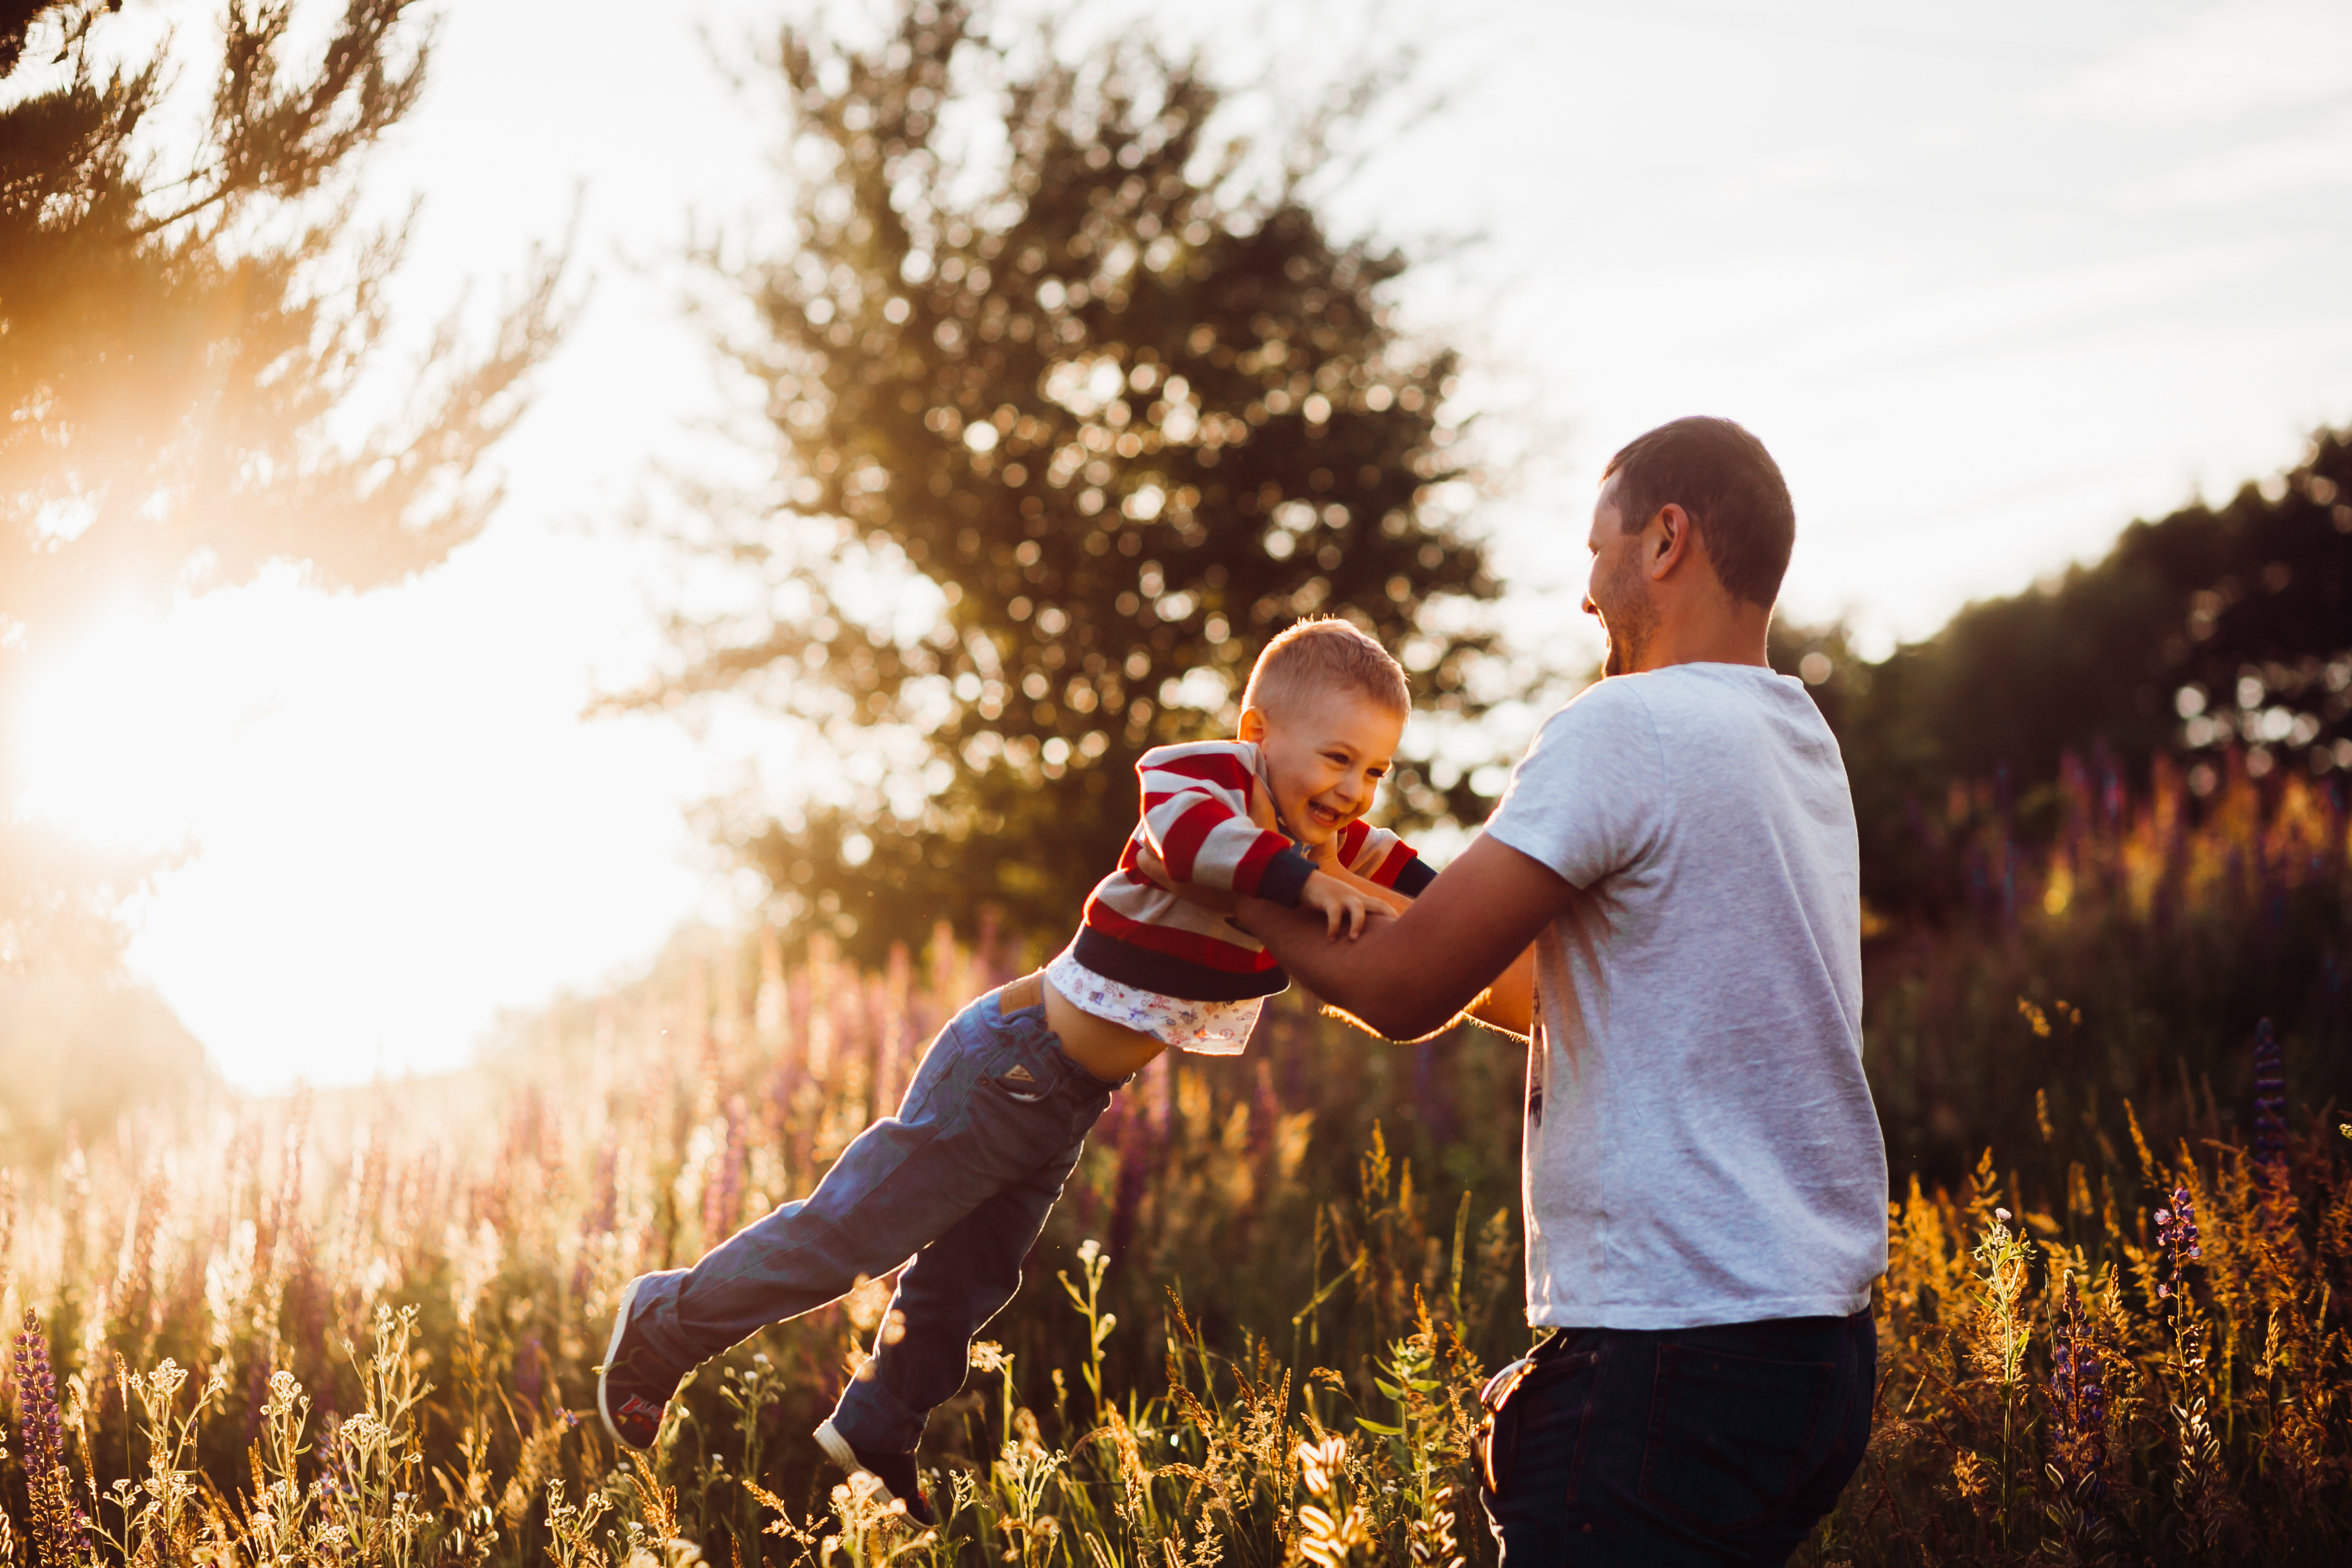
x=1371 y=978
x=1409 y=977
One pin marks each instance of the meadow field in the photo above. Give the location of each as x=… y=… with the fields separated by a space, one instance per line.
x=361 y=1326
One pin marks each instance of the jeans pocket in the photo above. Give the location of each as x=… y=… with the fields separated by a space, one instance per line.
x=1731 y=1438
x=1508 y=1396
x=1017 y=1084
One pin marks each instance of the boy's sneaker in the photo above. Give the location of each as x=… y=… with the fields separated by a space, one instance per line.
x=894 y=1471
x=634 y=1385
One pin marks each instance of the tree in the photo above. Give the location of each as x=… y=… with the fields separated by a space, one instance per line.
x=177 y=328
x=1101 y=417
x=2211 y=630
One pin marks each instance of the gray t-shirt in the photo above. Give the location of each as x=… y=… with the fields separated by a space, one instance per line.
x=1701 y=1146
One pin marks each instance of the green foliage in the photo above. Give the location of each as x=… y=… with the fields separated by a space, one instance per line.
x=2211 y=630
x=180 y=325
x=2128 y=957
x=1061 y=431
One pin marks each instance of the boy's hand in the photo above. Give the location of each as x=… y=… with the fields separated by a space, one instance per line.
x=1340 y=904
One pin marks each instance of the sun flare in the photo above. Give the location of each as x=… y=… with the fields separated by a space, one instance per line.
x=122 y=731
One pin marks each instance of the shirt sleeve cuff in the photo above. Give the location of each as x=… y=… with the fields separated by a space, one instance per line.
x=1284 y=877
x=1412 y=876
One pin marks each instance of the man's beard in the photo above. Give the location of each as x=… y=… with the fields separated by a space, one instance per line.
x=1628 y=620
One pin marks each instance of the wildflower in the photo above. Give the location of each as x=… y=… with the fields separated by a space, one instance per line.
x=1327 y=1537
x=2180 y=1230
x=2078 y=1394
x=60 y=1527
x=2270 y=1097
x=2176 y=1232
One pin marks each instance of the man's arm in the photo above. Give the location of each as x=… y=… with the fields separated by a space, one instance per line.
x=1509 y=1004
x=1410 y=977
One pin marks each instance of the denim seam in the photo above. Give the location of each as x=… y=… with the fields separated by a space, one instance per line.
x=1600 y=1365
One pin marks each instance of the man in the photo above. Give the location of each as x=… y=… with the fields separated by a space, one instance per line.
x=1704 y=1180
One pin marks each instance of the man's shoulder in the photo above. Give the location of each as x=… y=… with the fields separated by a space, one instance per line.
x=1613 y=699
x=1714 y=699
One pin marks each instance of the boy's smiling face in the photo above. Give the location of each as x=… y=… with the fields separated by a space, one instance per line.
x=1325 y=758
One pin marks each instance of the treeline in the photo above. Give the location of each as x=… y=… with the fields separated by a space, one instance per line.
x=2211 y=631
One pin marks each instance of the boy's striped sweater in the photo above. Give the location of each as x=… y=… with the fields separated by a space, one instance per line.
x=1208 y=815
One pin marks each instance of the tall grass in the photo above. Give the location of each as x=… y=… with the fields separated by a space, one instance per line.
x=361 y=1327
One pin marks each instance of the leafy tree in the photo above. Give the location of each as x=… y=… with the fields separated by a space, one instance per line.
x=1066 y=436
x=2211 y=630
x=178 y=324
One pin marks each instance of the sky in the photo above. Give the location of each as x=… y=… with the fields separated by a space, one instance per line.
x=1990 y=281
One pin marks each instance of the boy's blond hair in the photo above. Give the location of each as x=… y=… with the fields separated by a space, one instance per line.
x=1317 y=655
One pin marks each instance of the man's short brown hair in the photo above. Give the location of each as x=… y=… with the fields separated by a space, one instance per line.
x=1730 y=487
x=1318 y=655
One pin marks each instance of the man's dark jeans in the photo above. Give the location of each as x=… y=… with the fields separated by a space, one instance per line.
x=1687 y=1445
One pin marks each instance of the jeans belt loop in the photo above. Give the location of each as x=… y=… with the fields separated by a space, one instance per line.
x=1022 y=995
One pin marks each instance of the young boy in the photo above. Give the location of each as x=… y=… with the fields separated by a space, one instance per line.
x=963 y=1177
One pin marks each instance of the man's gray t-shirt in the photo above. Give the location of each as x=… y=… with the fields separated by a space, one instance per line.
x=1701 y=1146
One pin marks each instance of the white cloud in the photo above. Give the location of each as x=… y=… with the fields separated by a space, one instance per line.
x=2223 y=62
x=2316 y=157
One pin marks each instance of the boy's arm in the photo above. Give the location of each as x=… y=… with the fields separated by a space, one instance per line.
x=1195 y=824
x=1196 y=818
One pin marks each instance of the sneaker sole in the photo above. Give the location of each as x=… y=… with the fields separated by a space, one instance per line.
x=612 y=1349
x=836 y=1448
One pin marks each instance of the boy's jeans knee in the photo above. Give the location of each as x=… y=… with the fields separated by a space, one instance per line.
x=967 y=1170
x=945 y=1296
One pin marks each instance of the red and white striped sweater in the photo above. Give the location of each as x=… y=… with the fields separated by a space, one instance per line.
x=1208 y=815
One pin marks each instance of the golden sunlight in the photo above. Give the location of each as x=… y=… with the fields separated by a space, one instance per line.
x=122 y=732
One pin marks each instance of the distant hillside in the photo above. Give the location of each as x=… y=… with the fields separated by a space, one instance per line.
x=79 y=1050
x=2211 y=630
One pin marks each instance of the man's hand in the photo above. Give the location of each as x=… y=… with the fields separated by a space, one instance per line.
x=1339 y=904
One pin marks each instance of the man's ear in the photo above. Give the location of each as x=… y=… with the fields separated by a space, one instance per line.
x=1252 y=727
x=1676 y=540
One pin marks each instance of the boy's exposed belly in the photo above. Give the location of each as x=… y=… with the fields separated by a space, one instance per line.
x=1109 y=1051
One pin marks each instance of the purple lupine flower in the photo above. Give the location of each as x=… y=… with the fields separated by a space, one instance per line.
x=2078 y=1388
x=59 y=1526
x=2270 y=1097
x=2176 y=1232
x=2180 y=1230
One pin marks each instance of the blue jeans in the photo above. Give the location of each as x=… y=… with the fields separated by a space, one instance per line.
x=960 y=1180
x=1721 y=1445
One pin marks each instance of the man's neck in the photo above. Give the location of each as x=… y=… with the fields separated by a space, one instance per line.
x=1726 y=635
